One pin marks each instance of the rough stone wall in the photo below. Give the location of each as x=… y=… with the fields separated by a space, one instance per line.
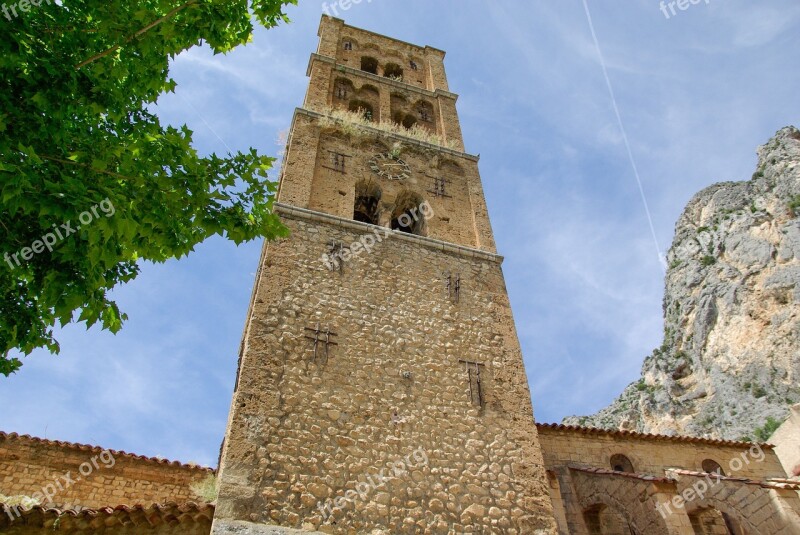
x=752 y=494
x=426 y=84
x=460 y=218
x=654 y=456
x=731 y=352
x=304 y=431
x=429 y=75
x=787 y=442
x=69 y=475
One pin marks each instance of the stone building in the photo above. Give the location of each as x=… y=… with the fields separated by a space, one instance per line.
x=380 y=386
x=787 y=442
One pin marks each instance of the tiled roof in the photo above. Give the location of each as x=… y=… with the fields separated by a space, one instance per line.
x=647 y=436
x=769 y=483
x=629 y=475
x=98 y=449
x=109 y=518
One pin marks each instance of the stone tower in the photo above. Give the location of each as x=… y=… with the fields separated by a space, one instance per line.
x=381 y=387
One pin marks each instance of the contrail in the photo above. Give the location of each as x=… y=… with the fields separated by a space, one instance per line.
x=661 y=258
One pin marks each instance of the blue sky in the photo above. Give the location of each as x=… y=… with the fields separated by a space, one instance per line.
x=696 y=92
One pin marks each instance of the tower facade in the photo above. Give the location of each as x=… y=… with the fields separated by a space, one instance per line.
x=381 y=386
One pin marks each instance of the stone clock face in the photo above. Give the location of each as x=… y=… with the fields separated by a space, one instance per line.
x=387 y=166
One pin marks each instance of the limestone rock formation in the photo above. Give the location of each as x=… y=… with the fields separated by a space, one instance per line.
x=731 y=352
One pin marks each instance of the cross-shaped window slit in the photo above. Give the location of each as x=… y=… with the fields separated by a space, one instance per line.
x=337 y=162
x=321 y=338
x=440 y=187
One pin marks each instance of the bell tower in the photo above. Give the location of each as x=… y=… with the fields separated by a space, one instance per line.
x=381 y=387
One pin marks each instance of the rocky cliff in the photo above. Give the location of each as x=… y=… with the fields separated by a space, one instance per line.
x=731 y=352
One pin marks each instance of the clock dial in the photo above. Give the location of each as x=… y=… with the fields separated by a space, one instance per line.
x=389 y=167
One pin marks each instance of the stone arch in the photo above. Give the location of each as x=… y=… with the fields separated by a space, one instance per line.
x=399 y=106
x=347 y=40
x=393 y=70
x=366 y=207
x=369 y=94
x=425 y=111
x=621 y=463
x=712 y=521
x=343 y=89
x=369 y=64
x=742 y=523
x=638 y=518
x=407 y=213
x=408 y=121
x=600 y=519
x=362 y=107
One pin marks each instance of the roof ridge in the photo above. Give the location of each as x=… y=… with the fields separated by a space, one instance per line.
x=651 y=436
x=98 y=449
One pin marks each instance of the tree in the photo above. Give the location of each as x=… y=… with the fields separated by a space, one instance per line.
x=91 y=184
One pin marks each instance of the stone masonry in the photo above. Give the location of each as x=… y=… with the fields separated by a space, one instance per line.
x=418 y=419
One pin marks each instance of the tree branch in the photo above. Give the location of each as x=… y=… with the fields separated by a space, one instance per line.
x=137 y=34
x=86 y=166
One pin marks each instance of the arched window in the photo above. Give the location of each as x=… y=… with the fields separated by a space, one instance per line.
x=368 y=196
x=409 y=121
x=369 y=64
x=620 y=463
x=348 y=45
x=343 y=89
x=425 y=111
x=393 y=71
x=364 y=108
x=407 y=214
x=711 y=466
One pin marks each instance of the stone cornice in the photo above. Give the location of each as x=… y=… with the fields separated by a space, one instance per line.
x=348 y=224
x=398 y=137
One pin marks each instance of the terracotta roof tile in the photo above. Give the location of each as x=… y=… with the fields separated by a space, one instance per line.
x=97 y=520
x=775 y=483
x=98 y=449
x=606 y=472
x=647 y=436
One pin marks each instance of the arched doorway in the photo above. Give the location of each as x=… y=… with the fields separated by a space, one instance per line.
x=710 y=521
x=603 y=520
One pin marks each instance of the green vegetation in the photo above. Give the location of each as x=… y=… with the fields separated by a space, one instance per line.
x=206 y=490
x=708 y=260
x=764 y=432
x=26 y=502
x=794 y=206
x=79 y=80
